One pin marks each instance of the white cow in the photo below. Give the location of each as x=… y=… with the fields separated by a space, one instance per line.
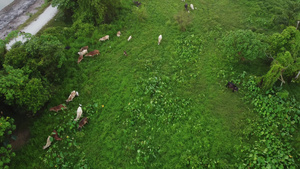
x=104 y=38
x=159 y=39
x=129 y=38
x=48 y=143
x=118 y=33
x=192 y=6
x=72 y=95
x=83 y=52
x=79 y=113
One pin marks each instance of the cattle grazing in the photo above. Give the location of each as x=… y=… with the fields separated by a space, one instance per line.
x=137 y=3
x=48 y=143
x=104 y=38
x=233 y=86
x=82 y=123
x=55 y=135
x=57 y=108
x=118 y=33
x=84 y=48
x=129 y=38
x=79 y=113
x=93 y=53
x=72 y=95
x=83 y=52
x=125 y=53
x=192 y=6
x=159 y=39
x=80 y=58
x=186 y=7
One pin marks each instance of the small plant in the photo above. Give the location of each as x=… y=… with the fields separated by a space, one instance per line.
x=184 y=20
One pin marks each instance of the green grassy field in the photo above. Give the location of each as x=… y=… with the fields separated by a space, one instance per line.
x=164 y=106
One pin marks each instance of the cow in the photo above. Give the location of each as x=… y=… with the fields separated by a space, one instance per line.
x=129 y=38
x=104 y=38
x=84 y=48
x=186 y=7
x=79 y=113
x=82 y=52
x=137 y=3
x=233 y=86
x=48 y=143
x=93 y=53
x=125 y=53
x=72 y=95
x=118 y=33
x=57 y=108
x=159 y=39
x=55 y=135
x=80 y=58
x=82 y=123
x=192 y=6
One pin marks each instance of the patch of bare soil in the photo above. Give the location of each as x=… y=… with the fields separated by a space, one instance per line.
x=23 y=136
x=16 y=14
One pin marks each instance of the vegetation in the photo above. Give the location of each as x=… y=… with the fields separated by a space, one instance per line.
x=162 y=106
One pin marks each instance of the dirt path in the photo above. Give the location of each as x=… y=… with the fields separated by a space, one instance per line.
x=16 y=14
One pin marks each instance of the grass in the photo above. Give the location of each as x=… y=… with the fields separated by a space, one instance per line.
x=207 y=131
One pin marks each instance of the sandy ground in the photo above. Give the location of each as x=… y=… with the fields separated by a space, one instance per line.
x=16 y=14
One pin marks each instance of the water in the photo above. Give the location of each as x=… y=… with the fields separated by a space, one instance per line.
x=4 y=3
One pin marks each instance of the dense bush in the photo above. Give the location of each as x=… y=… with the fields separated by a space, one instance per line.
x=91 y=11
x=6 y=129
x=243 y=45
x=29 y=71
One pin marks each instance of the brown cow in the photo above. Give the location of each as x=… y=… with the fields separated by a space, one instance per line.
x=82 y=123
x=57 y=108
x=80 y=58
x=83 y=48
x=55 y=135
x=93 y=53
x=125 y=53
x=72 y=95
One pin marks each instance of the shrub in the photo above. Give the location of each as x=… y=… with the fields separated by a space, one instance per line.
x=184 y=20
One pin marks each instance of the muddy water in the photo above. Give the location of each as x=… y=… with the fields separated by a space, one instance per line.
x=4 y=3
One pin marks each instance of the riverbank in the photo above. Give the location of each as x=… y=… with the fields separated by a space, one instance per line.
x=16 y=14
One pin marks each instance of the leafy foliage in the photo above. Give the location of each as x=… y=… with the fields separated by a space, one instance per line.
x=243 y=45
x=6 y=128
x=284 y=48
x=274 y=130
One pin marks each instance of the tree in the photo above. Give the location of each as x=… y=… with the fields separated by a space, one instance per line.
x=90 y=11
x=284 y=50
x=243 y=45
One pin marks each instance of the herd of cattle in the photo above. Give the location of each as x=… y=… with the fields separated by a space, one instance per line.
x=84 y=52
x=83 y=121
